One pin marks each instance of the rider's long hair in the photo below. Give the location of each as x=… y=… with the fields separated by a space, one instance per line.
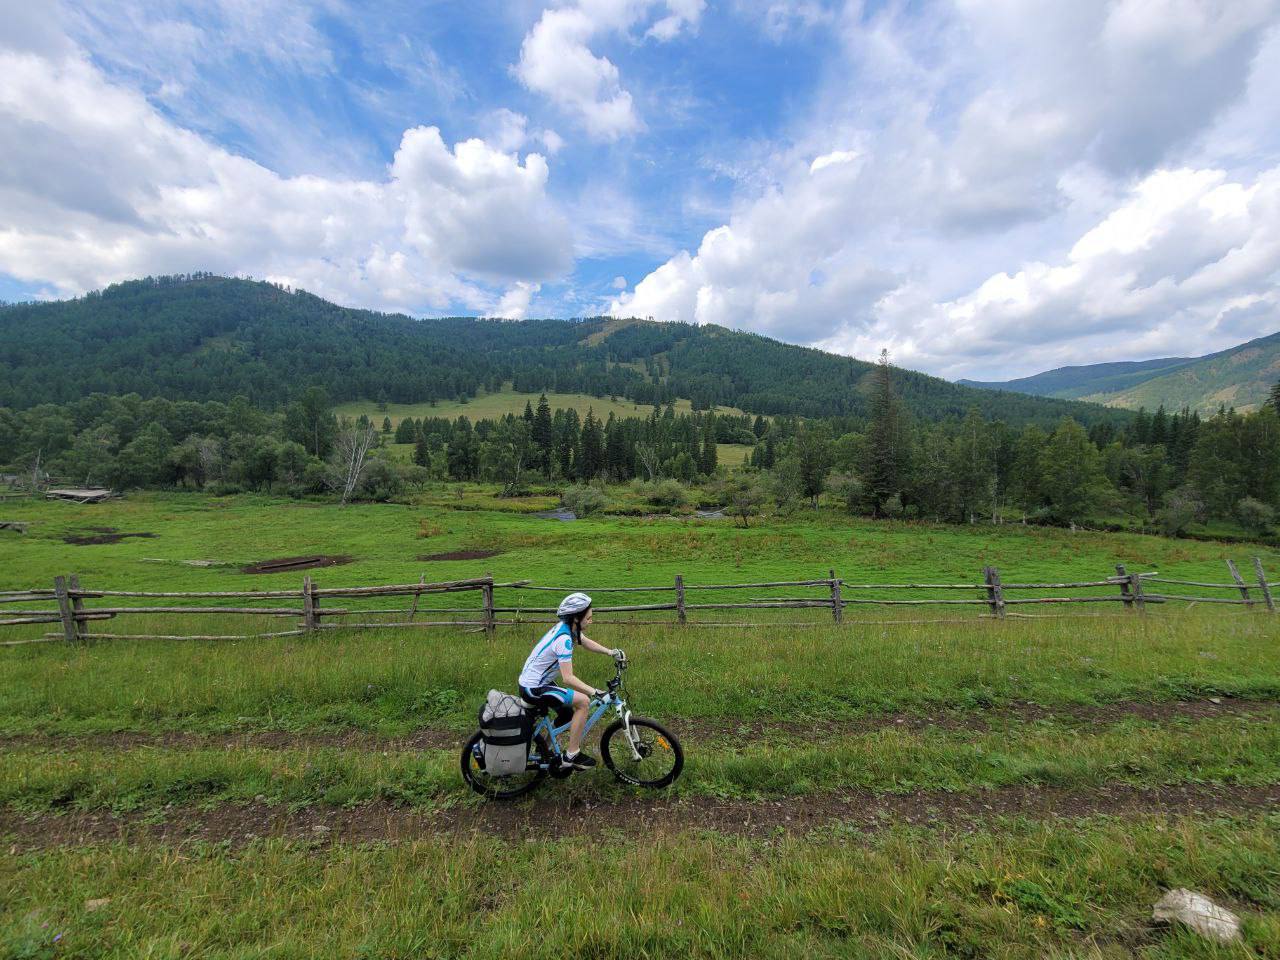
x=575 y=626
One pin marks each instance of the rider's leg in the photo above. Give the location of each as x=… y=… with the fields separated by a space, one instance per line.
x=579 y=722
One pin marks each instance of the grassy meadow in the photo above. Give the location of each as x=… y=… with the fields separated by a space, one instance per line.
x=893 y=787
x=491 y=406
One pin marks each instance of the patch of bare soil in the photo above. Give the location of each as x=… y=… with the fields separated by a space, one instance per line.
x=100 y=535
x=238 y=824
x=290 y=564
x=690 y=730
x=461 y=555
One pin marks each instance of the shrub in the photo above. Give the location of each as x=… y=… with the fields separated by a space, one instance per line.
x=584 y=500
x=1254 y=515
x=671 y=494
x=381 y=481
x=744 y=493
x=892 y=508
x=850 y=489
x=1182 y=507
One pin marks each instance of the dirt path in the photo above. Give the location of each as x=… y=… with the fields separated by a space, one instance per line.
x=634 y=817
x=693 y=730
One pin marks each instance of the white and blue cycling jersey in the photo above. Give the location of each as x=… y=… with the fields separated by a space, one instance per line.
x=549 y=654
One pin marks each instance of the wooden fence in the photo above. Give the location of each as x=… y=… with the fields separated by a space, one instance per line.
x=310 y=607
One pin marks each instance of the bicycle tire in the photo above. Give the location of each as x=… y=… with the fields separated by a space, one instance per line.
x=488 y=786
x=623 y=766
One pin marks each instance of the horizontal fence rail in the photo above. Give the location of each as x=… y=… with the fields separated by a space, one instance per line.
x=309 y=607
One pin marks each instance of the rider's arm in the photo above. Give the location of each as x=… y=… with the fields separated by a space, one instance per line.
x=593 y=646
x=569 y=680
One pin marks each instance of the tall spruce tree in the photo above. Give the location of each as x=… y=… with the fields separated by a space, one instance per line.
x=709 y=455
x=591 y=452
x=543 y=435
x=886 y=448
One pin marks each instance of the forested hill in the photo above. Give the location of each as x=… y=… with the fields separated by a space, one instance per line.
x=1240 y=377
x=205 y=337
x=1072 y=383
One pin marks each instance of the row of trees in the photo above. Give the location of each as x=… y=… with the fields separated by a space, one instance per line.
x=1171 y=469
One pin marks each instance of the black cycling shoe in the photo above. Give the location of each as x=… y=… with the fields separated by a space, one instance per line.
x=580 y=761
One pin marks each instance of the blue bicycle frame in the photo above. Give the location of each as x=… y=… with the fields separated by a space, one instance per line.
x=612 y=700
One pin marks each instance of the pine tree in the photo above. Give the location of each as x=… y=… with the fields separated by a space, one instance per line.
x=543 y=435
x=591 y=452
x=1273 y=397
x=972 y=466
x=708 y=455
x=886 y=448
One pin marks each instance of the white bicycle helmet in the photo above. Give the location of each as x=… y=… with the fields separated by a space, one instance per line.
x=573 y=604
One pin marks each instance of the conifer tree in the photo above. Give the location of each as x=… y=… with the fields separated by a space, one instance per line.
x=708 y=456
x=886 y=448
x=591 y=452
x=543 y=435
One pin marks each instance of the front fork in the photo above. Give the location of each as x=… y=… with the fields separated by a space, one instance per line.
x=626 y=726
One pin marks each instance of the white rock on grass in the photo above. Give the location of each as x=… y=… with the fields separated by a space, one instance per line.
x=1199 y=913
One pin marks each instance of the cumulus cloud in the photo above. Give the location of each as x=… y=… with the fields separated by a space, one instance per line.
x=514 y=304
x=962 y=151
x=97 y=185
x=1173 y=270
x=556 y=58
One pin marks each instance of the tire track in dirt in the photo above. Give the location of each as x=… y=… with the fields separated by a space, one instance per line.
x=237 y=825
x=697 y=730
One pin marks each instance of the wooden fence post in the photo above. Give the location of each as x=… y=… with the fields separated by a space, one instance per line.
x=70 y=629
x=309 y=619
x=1244 y=590
x=1135 y=587
x=1125 y=592
x=681 y=617
x=486 y=591
x=413 y=607
x=995 y=593
x=837 y=605
x=77 y=606
x=1263 y=585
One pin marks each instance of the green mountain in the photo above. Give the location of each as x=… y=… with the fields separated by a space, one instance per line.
x=203 y=337
x=1238 y=377
x=1072 y=383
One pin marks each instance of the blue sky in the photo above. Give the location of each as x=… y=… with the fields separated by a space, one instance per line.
x=986 y=189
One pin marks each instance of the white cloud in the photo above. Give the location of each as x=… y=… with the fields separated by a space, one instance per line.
x=834 y=157
x=98 y=186
x=556 y=58
x=958 y=152
x=514 y=304
x=619 y=283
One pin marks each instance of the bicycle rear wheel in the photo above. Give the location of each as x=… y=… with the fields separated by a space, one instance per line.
x=501 y=788
x=661 y=758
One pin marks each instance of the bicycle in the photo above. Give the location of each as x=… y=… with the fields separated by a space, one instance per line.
x=638 y=750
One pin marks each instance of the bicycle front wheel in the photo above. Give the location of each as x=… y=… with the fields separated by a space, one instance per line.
x=652 y=758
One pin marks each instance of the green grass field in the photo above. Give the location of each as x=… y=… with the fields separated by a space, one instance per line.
x=491 y=406
x=1018 y=789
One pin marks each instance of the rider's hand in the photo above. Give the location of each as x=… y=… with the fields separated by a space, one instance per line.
x=617 y=653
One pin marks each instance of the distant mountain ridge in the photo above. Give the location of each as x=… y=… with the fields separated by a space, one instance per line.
x=204 y=337
x=1240 y=377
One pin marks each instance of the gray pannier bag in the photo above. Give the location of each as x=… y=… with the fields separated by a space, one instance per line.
x=505 y=727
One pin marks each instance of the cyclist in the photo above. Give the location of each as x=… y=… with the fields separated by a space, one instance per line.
x=554 y=654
